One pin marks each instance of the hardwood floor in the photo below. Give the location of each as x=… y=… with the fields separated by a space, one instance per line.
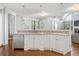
x=8 y=51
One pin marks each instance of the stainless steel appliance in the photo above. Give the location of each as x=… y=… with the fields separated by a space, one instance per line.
x=18 y=41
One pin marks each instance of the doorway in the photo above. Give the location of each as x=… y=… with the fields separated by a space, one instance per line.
x=11 y=25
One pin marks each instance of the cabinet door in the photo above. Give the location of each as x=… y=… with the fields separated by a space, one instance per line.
x=52 y=41
x=47 y=41
x=28 y=41
x=68 y=42
x=44 y=42
x=31 y=41
x=37 y=41
x=60 y=43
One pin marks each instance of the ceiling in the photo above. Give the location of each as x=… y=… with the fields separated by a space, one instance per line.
x=53 y=9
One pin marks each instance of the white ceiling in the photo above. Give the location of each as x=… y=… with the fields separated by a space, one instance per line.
x=53 y=9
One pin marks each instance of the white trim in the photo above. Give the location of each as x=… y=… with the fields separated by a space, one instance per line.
x=3 y=24
x=0 y=44
x=13 y=13
x=4 y=44
x=1 y=7
x=10 y=11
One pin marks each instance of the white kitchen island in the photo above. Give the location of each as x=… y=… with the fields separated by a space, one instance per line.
x=59 y=41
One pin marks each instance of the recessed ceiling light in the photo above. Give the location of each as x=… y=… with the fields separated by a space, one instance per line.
x=41 y=6
x=42 y=13
x=23 y=6
x=61 y=3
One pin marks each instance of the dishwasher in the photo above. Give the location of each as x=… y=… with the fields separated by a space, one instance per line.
x=18 y=41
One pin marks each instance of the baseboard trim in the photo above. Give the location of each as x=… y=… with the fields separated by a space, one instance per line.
x=3 y=45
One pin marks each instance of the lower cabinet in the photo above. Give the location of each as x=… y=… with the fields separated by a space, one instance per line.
x=48 y=42
x=37 y=39
x=60 y=43
x=52 y=42
x=28 y=42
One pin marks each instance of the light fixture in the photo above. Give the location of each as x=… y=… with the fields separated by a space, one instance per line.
x=41 y=13
x=61 y=3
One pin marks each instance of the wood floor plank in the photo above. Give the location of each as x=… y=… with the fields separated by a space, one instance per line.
x=8 y=50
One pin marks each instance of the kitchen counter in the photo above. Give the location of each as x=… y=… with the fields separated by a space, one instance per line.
x=59 y=41
x=44 y=32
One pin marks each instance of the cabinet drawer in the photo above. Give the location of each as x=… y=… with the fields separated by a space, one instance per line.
x=60 y=37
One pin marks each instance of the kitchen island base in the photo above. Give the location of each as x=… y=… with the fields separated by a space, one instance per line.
x=59 y=42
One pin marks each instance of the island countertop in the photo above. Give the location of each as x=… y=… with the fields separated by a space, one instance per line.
x=44 y=32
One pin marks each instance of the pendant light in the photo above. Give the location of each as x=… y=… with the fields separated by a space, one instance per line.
x=23 y=21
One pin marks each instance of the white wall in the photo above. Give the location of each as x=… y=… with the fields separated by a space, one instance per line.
x=18 y=23
x=1 y=33
x=23 y=24
x=3 y=28
x=28 y=24
x=6 y=26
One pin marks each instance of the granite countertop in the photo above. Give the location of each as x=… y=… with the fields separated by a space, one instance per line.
x=43 y=32
x=40 y=34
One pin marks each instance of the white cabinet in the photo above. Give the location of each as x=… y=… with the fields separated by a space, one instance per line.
x=62 y=44
x=68 y=43
x=47 y=42
x=37 y=41
x=43 y=42
x=58 y=43
x=29 y=42
x=52 y=41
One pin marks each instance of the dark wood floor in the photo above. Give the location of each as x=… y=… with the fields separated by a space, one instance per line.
x=8 y=51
